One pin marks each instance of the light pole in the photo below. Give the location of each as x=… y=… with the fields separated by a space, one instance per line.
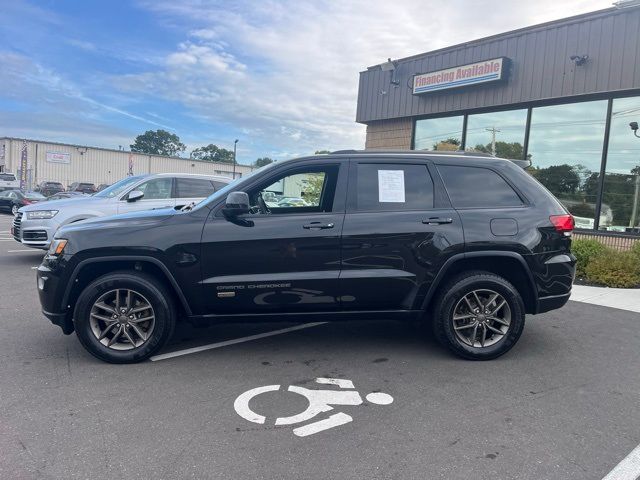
x=235 y=144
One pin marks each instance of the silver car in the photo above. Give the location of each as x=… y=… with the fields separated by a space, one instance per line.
x=35 y=225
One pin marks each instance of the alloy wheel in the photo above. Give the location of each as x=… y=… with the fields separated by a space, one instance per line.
x=14 y=209
x=481 y=318
x=122 y=319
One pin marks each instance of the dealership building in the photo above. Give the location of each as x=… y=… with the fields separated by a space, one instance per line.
x=66 y=163
x=561 y=94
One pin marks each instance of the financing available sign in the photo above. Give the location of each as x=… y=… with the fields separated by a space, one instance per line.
x=488 y=71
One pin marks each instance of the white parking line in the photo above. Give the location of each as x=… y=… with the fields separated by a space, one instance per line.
x=16 y=251
x=226 y=343
x=628 y=468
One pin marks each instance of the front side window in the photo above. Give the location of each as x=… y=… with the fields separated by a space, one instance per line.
x=565 y=150
x=298 y=192
x=438 y=134
x=156 y=189
x=193 y=188
x=393 y=187
x=476 y=187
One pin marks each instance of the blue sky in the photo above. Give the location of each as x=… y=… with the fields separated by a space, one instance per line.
x=281 y=76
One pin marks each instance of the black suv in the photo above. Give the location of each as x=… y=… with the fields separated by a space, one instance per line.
x=473 y=242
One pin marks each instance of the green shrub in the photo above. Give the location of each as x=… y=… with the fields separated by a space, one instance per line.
x=615 y=269
x=636 y=249
x=585 y=251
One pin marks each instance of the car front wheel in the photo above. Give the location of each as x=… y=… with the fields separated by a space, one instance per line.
x=124 y=317
x=479 y=316
x=14 y=209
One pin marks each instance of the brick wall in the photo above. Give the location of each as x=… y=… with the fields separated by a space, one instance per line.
x=618 y=242
x=389 y=134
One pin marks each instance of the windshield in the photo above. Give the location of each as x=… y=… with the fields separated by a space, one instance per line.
x=118 y=187
x=222 y=193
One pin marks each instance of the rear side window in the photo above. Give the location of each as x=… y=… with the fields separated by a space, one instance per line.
x=193 y=188
x=393 y=187
x=476 y=187
x=7 y=177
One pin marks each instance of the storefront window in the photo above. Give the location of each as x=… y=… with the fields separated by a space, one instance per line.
x=565 y=149
x=438 y=134
x=621 y=194
x=508 y=127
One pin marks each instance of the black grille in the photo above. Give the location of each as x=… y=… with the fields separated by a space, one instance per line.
x=16 y=226
x=34 y=235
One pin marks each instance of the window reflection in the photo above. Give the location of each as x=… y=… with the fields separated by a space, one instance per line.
x=622 y=178
x=565 y=148
x=509 y=128
x=438 y=134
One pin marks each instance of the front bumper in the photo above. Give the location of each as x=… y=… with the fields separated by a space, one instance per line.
x=52 y=286
x=33 y=233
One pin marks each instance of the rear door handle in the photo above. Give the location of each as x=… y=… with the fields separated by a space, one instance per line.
x=317 y=226
x=437 y=220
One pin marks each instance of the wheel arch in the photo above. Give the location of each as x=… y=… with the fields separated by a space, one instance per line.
x=509 y=265
x=90 y=269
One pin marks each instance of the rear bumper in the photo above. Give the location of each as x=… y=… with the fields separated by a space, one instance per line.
x=553 y=302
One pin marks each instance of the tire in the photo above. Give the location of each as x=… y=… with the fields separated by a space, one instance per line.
x=456 y=316
x=148 y=318
x=14 y=210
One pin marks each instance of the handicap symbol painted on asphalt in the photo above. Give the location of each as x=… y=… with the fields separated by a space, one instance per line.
x=320 y=401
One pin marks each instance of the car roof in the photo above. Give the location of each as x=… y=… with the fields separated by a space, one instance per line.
x=191 y=175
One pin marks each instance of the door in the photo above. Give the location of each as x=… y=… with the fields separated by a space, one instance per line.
x=5 y=201
x=399 y=230
x=157 y=194
x=285 y=256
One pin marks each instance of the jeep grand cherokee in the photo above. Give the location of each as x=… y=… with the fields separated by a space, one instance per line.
x=471 y=243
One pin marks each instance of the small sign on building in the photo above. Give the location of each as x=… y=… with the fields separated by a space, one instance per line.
x=57 y=157
x=488 y=71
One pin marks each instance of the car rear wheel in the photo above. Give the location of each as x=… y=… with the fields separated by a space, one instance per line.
x=124 y=317
x=14 y=209
x=479 y=316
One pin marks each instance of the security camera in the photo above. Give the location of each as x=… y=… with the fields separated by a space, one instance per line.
x=579 y=59
x=634 y=126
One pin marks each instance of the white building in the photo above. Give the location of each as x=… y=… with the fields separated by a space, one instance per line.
x=64 y=163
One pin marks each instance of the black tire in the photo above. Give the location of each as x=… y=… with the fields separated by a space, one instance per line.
x=152 y=290
x=454 y=292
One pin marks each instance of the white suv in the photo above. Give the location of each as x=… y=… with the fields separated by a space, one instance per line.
x=35 y=225
x=8 y=181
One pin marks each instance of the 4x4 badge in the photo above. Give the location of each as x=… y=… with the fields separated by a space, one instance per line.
x=319 y=401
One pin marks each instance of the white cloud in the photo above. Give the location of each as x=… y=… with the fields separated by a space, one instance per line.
x=288 y=71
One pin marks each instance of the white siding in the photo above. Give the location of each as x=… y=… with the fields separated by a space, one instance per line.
x=98 y=166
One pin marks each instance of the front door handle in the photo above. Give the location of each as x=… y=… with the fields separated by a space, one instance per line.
x=437 y=220
x=317 y=226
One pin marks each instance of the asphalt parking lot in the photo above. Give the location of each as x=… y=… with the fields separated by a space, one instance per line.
x=563 y=404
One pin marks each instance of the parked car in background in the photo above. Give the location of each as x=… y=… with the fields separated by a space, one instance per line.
x=35 y=225
x=50 y=188
x=61 y=195
x=83 y=187
x=471 y=243
x=102 y=186
x=13 y=200
x=8 y=181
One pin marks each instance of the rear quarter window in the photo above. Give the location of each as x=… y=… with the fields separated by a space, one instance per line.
x=477 y=187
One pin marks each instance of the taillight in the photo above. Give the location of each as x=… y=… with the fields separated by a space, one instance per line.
x=27 y=202
x=563 y=223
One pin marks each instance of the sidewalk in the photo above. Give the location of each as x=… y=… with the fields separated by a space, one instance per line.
x=623 y=298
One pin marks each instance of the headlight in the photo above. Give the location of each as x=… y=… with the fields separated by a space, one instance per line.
x=57 y=247
x=41 y=214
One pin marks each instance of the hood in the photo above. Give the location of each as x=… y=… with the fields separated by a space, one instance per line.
x=141 y=219
x=58 y=204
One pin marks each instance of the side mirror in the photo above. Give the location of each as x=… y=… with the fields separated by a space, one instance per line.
x=134 y=195
x=237 y=203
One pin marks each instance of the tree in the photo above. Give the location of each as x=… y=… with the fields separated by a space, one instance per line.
x=512 y=150
x=322 y=152
x=159 y=142
x=450 y=144
x=212 y=153
x=562 y=180
x=261 y=162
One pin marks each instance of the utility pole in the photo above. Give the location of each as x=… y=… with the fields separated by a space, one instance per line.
x=493 y=131
x=634 y=212
x=235 y=143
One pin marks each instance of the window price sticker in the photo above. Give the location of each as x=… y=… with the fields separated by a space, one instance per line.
x=391 y=186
